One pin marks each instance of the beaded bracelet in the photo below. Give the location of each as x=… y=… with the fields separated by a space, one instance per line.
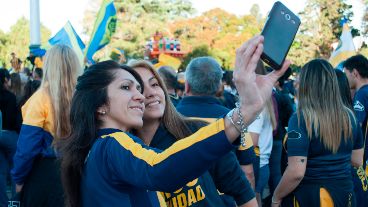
x=230 y=116
x=241 y=123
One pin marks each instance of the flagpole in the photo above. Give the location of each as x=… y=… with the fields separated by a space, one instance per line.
x=35 y=24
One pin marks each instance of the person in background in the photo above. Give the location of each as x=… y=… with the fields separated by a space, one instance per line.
x=344 y=87
x=9 y=132
x=37 y=74
x=356 y=70
x=25 y=75
x=283 y=110
x=180 y=84
x=36 y=170
x=261 y=132
x=8 y=103
x=229 y=93
x=359 y=177
x=324 y=141
x=29 y=89
x=15 y=63
x=16 y=86
x=203 y=80
x=170 y=79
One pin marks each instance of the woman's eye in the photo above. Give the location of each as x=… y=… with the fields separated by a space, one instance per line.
x=155 y=84
x=125 y=87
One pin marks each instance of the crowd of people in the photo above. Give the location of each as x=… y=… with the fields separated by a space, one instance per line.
x=134 y=135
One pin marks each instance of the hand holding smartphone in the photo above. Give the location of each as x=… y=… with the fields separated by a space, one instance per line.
x=279 y=33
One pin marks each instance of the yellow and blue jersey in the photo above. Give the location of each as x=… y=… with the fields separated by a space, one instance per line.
x=328 y=179
x=322 y=164
x=36 y=135
x=224 y=175
x=209 y=108
x=121 y=171
x=360 y=104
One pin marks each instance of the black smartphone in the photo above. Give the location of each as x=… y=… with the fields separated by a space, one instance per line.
x=279 y=32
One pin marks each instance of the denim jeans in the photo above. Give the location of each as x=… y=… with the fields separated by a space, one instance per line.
x=275 y=165
x=263 y=176
x=8 y=145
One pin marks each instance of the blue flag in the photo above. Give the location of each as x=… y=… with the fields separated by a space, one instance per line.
x=103 y=29
x=68 y=36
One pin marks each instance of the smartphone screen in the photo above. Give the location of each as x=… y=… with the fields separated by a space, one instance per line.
x=279 y=33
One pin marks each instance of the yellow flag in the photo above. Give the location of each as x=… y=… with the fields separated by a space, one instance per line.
x=168 y=60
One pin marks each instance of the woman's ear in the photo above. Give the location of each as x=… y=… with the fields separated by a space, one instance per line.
x=102 y=110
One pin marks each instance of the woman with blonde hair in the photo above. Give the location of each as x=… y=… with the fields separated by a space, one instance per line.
x=46 y=119
x=324 y=141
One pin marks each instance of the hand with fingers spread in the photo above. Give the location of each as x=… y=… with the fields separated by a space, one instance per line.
x=253 y=89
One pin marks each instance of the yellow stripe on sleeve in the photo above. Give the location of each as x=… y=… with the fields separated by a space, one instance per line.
x=152 y=158
x=256 y=151
x=248 y=142
x=209 y=120
x=284 y=141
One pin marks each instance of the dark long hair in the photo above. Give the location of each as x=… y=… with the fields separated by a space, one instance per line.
x=16 y=85
x=29 y=89
x=4 y=76
x=91 y=93
x=344 y=89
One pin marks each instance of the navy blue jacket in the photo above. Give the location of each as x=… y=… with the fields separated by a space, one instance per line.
x=210 y=107
x=224 y=175
x=121 y=171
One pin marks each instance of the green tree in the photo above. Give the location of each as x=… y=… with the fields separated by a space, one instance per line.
x=219 y=30
x=138 y=20
x=199 y=51
x=319 y=29
x=365 y=20
x=17 y=40
x=3 y=52
x=364 y=51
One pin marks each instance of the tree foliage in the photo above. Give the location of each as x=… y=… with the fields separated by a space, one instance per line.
x=18 y=40
x=138 y=20
x=365 y=20
x=319 y=29
x=220 y=31
x=217 y=32
x=199 y=51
